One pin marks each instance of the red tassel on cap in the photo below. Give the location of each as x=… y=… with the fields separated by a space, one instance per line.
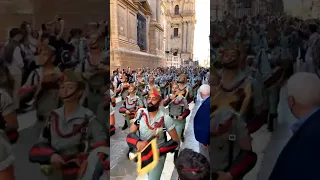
x=156 y=94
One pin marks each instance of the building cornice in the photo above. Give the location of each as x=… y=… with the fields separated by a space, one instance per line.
x=132 y=6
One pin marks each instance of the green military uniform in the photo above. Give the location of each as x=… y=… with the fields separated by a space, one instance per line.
x=146 y=131
x=95 y=81
x=6 y=107
x=219 y=145
x=140 y=87
x=79 y=134
x=131 y=104
x=177 y=108
x=47 y=97
x=276 y=55
x=95 y=167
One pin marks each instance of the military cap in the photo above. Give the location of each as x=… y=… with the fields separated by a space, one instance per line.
x=155 y=91
x=71 y=76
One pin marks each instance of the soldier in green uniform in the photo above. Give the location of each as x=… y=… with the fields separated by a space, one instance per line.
x=147 y=121
x=8 y=125
x=216 y=35
x=280 y=63
x=184 y=87
x=231 y=155
x=148 y=87
x=97 y=82
x=140 y=83
x=123 y=87
x=130 y=106
x=44 y=80
x=178 y=111
x=71 y=132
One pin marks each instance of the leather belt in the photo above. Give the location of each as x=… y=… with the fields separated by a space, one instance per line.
x=174 y=117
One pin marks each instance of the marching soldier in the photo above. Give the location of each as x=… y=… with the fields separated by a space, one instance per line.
x=71 y=132
x=275 y=64
x=185 y=88
x=164 y=86
x=8 y=126
x=130 y=106
x=148 y=87
x=94 y=57
x=147 y=121
x=231 y=154
x=178 y=111
x=42 y=83
x=123 y=87
x=140 y=84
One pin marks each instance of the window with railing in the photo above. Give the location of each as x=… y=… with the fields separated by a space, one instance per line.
x=176 y=10
x=141 y=32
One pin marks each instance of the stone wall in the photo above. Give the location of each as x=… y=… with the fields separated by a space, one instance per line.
x=124 y=49
x=135 y=59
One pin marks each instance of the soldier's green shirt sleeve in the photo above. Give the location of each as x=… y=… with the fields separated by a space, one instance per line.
x=97 y=131
x=168 y=123
x=6 y=104
x=242 y=131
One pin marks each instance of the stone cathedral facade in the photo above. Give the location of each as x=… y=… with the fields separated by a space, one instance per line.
x=151 y=33
x=179 y=26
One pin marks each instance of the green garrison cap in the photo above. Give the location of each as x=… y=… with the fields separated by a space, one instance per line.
x=71 y=76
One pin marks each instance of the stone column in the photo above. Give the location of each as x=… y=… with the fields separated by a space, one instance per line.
x=158 y=6
x=168 y=35
x=184 y=36
x=154 y=10
x=187 y=36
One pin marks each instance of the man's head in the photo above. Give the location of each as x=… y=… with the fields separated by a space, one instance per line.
x=16 y=34
x=204 y=91
x=153 y=100
x=192 y=166
x=303 y=93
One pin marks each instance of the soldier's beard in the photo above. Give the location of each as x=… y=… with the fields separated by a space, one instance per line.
x=152 y=107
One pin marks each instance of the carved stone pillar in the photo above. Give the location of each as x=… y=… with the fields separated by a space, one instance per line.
x=187 y=35
x=168 y=35
x=158 y=5
x=184 y=37
x=154 y=10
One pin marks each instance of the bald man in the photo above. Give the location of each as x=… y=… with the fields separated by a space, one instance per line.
x=202 y=118
x=300 y=157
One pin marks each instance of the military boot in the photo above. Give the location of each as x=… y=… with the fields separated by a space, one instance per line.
x=125 y=126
